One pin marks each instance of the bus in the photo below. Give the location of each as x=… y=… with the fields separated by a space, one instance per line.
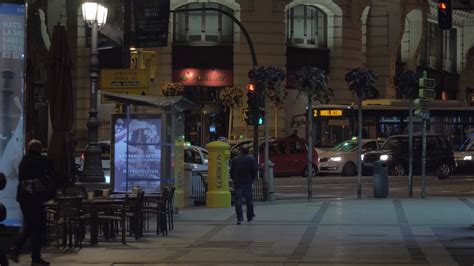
x=386 y=117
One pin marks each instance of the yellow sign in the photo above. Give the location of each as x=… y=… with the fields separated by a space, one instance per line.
x=125 y=81
x=327 y=113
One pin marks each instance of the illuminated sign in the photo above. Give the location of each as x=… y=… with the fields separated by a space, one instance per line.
x=327 y=112
x=203 y=77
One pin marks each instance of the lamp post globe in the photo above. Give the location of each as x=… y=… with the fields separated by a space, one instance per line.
x=95 y=16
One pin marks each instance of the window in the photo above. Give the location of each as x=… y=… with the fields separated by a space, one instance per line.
x=203 y=27
x=442 y=47
x=192 y=156
x=307 y=27
x=296 y=147
x=277 y=148
x=371 y=146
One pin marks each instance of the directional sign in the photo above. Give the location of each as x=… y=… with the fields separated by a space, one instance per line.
x=423 y=114
x=427 y=93
x=422 y=103
x=125 y=81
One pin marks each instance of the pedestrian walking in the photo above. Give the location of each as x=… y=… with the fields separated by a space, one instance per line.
x=34 y=187
x=243 y=172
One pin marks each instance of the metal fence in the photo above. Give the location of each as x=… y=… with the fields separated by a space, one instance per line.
x=199 y=188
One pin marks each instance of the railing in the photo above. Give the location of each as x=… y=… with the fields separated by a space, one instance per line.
x=199 y=188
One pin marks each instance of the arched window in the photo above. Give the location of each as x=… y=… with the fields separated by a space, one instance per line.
x=203 y=27
x=307 y=27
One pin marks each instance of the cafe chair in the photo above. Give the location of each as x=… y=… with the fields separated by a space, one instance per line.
x=157 y=206
x=67 y=218
x=170 y=209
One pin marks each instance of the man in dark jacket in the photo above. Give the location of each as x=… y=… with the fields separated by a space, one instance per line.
x=35 y=172
x=243 y=172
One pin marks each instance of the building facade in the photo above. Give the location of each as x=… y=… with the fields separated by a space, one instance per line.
x=207 y=52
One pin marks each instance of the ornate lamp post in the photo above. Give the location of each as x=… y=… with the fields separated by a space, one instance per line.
x=95 y=15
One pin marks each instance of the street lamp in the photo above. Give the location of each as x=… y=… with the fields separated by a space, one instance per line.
x=95 y=16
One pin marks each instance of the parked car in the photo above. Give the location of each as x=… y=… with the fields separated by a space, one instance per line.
x=290 y=157
x=464 y=157
x=439 y=155
x=342 y=159
x=196 y=157
x=236 y=149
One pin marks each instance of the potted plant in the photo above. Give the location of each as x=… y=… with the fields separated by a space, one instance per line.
x=170 y=89
x=361 y=82
x=311 y=82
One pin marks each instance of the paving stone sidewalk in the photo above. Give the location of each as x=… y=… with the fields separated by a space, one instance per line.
x=434 y=231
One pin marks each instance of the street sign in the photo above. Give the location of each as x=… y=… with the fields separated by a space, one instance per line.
x=427 y=93
x=423 y=114
x=422 y=103
x=427 y=83
x=125 y=81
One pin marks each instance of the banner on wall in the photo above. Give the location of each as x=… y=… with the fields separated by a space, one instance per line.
x=151 y=23
x=137 y=152
x=12 y=59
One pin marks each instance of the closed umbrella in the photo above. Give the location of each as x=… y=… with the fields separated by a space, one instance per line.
x=60 y=97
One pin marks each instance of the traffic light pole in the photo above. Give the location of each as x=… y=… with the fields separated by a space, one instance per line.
x=254 y=62
x=423 y=160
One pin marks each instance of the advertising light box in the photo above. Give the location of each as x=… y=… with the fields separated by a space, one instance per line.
x=12 y=59
x=136 y=158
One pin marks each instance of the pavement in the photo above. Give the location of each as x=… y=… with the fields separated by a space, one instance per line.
x=321 y=231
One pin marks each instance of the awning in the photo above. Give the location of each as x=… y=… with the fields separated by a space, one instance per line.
x=179 y=103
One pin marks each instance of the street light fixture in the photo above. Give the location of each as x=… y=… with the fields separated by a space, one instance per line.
x=95 y=15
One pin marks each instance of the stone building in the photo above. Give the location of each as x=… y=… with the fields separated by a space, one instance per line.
x=387 y=36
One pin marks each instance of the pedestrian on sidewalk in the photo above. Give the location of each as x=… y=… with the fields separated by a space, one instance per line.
x=35 y=177
x=243 y=172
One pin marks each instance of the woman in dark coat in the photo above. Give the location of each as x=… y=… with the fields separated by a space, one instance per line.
x=35 y=176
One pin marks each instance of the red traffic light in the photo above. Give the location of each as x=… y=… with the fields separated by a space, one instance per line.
x=250 y=87
x=443 y=6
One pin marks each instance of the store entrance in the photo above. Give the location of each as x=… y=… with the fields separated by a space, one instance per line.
x=208 y=120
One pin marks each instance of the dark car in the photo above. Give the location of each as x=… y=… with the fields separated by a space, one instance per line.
x=439 y=155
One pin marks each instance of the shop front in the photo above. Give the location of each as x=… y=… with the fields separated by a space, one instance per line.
x=207 y=121
x=204 y=72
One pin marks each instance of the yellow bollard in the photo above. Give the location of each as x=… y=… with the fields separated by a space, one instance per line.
x=218 y=195
x=179 y=173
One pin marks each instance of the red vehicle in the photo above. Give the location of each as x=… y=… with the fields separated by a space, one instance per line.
x=290 y=157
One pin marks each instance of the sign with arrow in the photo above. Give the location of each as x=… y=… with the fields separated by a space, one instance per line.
x=125 y=81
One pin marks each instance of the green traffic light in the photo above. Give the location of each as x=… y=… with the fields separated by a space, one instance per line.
x=260 y=121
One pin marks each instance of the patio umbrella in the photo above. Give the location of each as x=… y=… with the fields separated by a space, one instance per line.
x=60 y=97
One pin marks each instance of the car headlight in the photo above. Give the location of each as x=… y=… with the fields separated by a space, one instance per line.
x=384 y=157
x=467 y=158
x=335 y=159
x=362 y=157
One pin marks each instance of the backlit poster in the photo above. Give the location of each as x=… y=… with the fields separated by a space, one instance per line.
x=12 y=31
x=137 y=153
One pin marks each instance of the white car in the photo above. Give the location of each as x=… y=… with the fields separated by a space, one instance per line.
x=196 y=157
x=342 y=159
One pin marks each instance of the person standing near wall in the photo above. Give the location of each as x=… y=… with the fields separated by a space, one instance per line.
x=243 y=172
x=35 y=176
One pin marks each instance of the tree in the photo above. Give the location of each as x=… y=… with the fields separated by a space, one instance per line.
x=311 y=82
x=361 y=83
x=407 y=86
x=231 y=97
x=269 y=83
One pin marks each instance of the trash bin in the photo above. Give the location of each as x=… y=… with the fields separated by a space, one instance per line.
x=380 y=179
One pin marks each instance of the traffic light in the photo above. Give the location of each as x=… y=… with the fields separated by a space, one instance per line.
x=252 y=99
x=445 y=14
x=249 y=119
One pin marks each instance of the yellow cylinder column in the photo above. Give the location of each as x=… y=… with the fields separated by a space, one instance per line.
x=218 y=195
x=179 y=173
